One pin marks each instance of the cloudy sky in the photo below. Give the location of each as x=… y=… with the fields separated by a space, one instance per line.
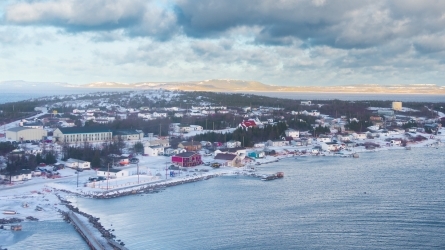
x=281 y=42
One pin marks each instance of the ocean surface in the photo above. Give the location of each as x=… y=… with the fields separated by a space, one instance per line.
x=14 y=95
x=46 y=235
x=355 y=96
x=392 y=199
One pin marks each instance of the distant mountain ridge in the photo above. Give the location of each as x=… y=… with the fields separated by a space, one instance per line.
x=230 y=85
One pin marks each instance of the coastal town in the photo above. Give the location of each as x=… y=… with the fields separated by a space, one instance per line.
x=107 y=145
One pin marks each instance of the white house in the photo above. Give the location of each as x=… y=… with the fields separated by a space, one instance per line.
x=144 y=115
x=277 y=143
x=112 y=173
x=159 y=115
x=330 y=146
x=292 y=133
x=344 y=138
x=324 y=139
x=154 y=150
x=396 y=142
x=259 y=145
x=22 y=175
x=174 y=151
x=77 y=164
x=359 y=136
x=196 y=128
x=233 y=144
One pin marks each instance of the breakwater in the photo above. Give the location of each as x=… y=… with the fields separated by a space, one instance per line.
x=94 y=221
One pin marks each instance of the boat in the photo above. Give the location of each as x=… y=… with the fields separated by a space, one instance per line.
x=355 y=155
x=408 y=148
x=39 y=208
x=9 y=212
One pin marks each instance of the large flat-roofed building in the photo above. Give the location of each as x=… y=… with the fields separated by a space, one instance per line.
x=82 y=134
x=128 y=134
x=397 y=106
x=21 y=133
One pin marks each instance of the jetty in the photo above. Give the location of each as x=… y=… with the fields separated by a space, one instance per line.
x=95 y=241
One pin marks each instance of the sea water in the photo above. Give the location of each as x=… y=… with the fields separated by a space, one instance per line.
x=391 y=199
x=55 y=234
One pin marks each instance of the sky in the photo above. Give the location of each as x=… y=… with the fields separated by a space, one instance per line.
x=277 y=42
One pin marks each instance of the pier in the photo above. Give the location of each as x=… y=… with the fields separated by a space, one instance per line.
x=93 y=240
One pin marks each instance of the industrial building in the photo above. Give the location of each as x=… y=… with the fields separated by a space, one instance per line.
x=82 y=134
x=23 y=134
x=397 y=106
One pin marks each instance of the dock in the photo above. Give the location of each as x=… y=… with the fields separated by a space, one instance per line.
x=93 y=240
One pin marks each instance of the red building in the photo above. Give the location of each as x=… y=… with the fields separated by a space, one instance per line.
x=187 y=159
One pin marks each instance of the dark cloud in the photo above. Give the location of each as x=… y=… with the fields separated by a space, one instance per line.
x=136 y=18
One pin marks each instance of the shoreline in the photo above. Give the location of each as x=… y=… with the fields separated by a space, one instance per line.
x=64 y=206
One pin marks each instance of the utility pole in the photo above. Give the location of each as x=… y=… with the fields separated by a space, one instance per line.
x=138 y=171
x=108 y=174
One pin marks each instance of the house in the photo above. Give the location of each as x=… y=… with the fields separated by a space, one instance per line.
x=82 y=134
x=196 y=128
x=233 y=144
x=112 y=173
x=77 y=164
x=292 y=133
x=396 y=142
x=250 y=123
x=229 y=160
x=190 y=146
x=277 y=143
x=154 y=150
x=359 y=136
x=240 y=151
x=187 y=159
x=256 y=154
x=324 y=139
x=259 y=145
x=164 y=143
x=330 y=146
x=22 y=175
x=173 y=151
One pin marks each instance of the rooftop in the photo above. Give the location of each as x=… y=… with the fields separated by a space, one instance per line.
x=84 y=130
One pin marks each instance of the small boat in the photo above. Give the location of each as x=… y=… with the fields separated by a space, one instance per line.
x=9 y=212
x=408 y=148
x=39 y=208
x=269 y=177
x=355 y=155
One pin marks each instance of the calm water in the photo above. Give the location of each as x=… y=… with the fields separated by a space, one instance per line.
x=355 y=96
x=43 y=235
x=14 y=95
x=386 y=200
